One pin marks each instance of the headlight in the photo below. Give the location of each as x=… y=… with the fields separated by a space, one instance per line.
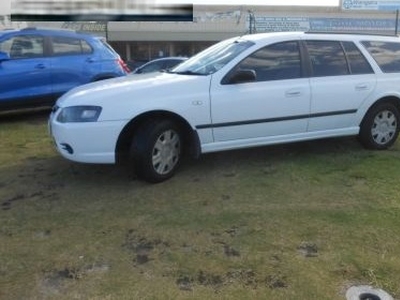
x=79 y=114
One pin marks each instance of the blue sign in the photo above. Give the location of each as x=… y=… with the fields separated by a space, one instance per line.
x=388 y=5
x=279 y=24
x=351 y=24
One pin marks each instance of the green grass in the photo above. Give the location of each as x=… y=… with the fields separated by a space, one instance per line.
x=299 y=221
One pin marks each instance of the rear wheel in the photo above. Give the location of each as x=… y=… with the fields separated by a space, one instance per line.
x=380 y=127
x=156 y=150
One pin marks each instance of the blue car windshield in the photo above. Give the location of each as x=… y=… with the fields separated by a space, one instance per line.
x=213 y=58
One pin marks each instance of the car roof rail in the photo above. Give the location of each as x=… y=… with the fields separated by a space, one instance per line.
x=352 y=33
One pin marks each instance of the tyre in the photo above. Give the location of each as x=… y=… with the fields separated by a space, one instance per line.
x=156 y=150
x=380 y=127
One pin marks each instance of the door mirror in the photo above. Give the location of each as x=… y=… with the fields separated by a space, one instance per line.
x=242 y=76
x=4 y=56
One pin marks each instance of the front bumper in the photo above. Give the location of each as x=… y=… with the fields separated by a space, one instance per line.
x=86 y=142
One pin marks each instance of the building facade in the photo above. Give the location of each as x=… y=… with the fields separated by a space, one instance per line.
x=149 y=40
x=146 y=40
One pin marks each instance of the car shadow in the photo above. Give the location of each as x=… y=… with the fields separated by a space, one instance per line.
x=33 y=115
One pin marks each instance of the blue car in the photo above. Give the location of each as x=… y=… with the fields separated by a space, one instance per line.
x=39 y=65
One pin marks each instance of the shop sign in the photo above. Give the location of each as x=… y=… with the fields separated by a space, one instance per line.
x=370 y=5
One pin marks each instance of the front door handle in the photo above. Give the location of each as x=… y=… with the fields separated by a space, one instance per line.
x=292 y=93
x=40 y=66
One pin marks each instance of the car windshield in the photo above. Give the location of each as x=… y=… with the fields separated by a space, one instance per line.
x=213 y=58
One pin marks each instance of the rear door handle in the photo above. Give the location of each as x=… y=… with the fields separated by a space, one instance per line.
x=362 y=87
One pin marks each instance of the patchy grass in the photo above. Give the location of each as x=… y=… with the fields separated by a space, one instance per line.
x=300 y=221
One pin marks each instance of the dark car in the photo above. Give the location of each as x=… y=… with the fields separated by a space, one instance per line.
x=39 y=65
x=159 y=64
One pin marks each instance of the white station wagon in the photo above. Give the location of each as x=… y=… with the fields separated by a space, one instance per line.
x=247 y=91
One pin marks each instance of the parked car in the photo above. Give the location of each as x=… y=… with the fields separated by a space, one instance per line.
x=39 y=65
x=247 y=91
x=136 y=63
x=159 y=64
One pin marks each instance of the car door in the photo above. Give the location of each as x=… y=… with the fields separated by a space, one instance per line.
x=73 y=63
x=341 y=80
x=26 y=75
x=274 y=106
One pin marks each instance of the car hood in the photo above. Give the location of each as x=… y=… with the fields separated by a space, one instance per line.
x=128 y=87
x=125 y=97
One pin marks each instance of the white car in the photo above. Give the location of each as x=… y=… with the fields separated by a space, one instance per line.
x=247 y=91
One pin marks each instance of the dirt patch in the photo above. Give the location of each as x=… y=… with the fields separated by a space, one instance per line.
x=54 y=282
x=276 y=281
x=230 y=251
x=246 y=278
x=40 y=195
x=33 y=180
x=142 y=247
x=209 y=279
x=308 y=249
x=185 y=283
x=6 y=205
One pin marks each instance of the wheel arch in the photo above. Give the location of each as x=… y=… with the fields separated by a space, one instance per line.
x=191 y=138
x=394 y=100
x=380 y=133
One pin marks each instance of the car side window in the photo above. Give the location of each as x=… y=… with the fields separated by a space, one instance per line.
x=274 y=62
x=23 y=46
x=386 y=55
x=70 y=46
x=357 y=62
x=154 y=66
x=327 y=58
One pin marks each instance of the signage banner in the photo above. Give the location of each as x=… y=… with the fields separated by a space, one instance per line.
x=370 y=5
x=278 y=24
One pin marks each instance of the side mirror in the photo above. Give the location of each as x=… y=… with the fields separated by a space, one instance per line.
x=4 y=56
x=242 y=76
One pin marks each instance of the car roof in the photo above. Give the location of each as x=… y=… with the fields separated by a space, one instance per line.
x=168 y=58
x=45 y=31
x=7 y=31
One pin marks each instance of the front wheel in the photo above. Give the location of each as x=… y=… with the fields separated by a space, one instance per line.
x=380 y=127
x=156 y=150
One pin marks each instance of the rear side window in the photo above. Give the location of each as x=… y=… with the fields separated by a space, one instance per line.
x=275 y=62
x=327 y=58
x=70 y=46
x=108 y=47
x=386 y=55
x=357 y=62
x=23 y=46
